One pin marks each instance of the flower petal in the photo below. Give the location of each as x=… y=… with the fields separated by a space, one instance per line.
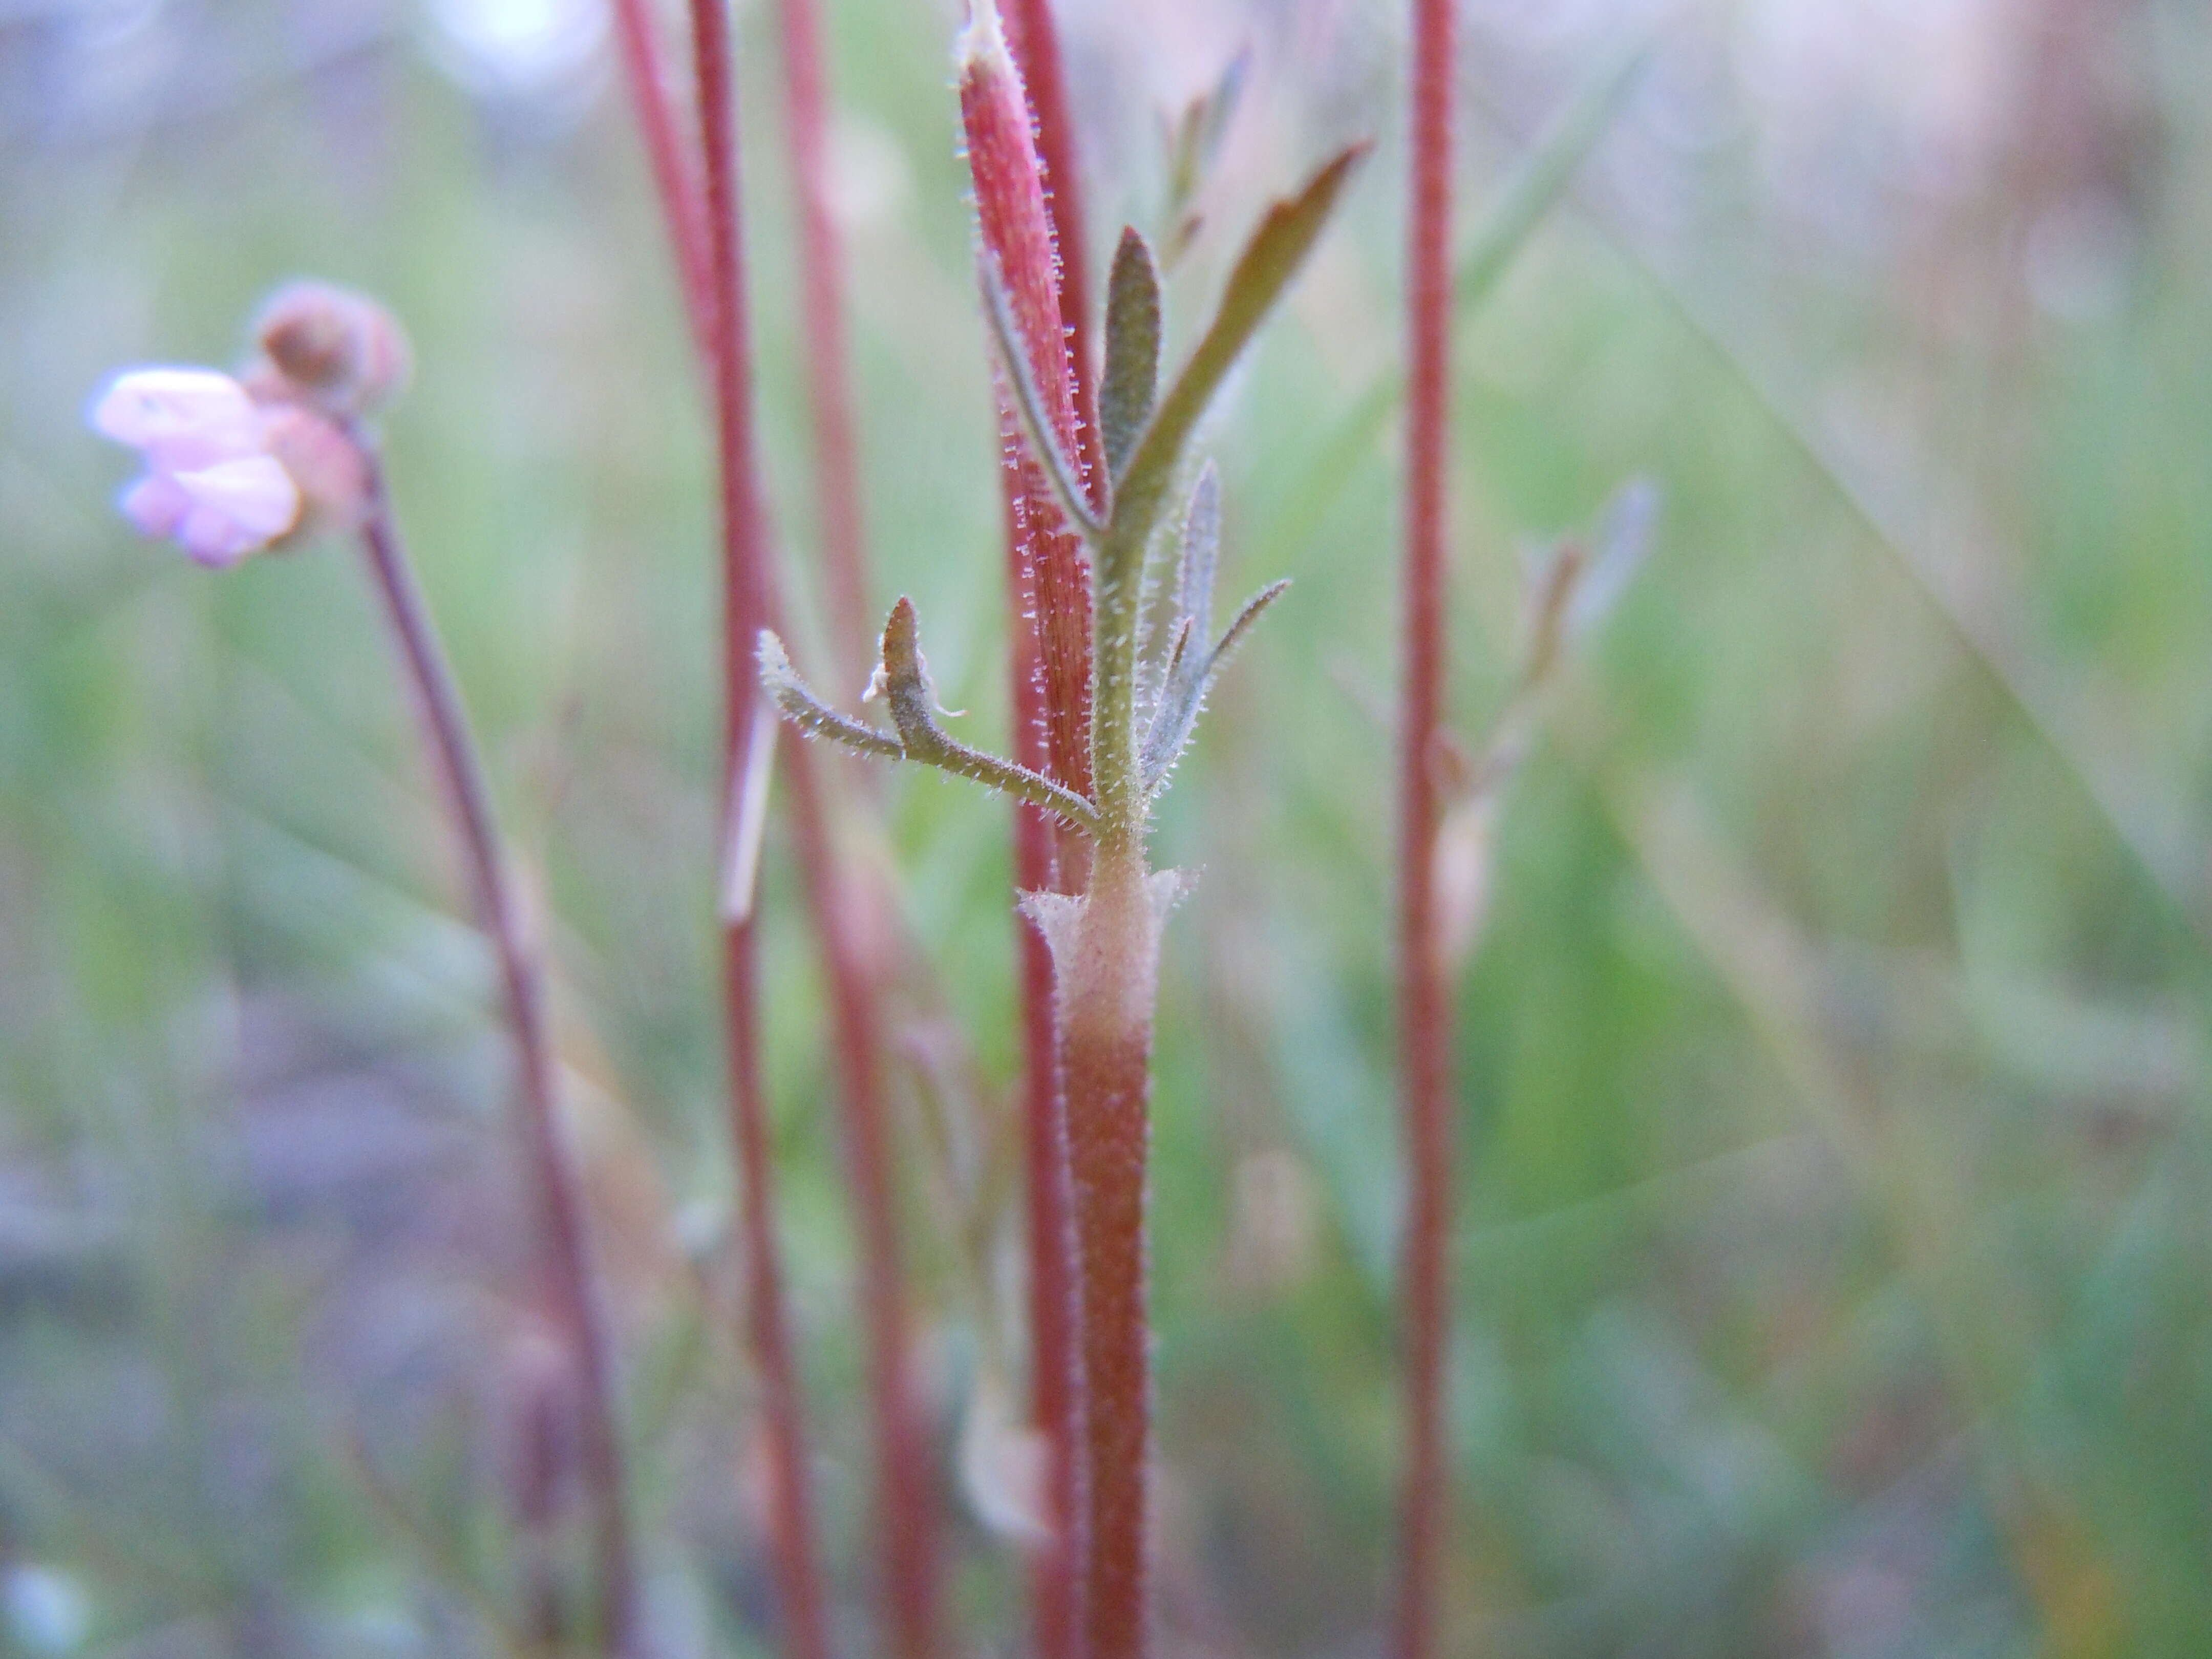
x=157 y=504
x=180 y=417
x=254 y=492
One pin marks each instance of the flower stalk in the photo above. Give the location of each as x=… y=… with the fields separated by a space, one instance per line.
x=560 y=1202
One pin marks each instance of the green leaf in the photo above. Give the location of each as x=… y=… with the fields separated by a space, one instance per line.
x=1286 y=235
x=1058 y=466
x=1201 y=552
x=1133 y=350
x=904 y=682
x=1187 y=687
x=1270 y=259
x=809 y=713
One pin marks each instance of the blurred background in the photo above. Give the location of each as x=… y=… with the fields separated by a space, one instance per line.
x=1836 y=1198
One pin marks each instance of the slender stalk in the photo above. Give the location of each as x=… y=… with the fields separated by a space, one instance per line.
x=745 y=603
x=837 y=481
x=767 y=1325
x=1055 y=1363
x=674 y=172
x=905 y=1515
x=560 y=1202
x=1424 y=1013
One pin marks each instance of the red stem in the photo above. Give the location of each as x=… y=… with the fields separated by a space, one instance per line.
x=820 y=292
x=768 y=1327
x=1056 y=1374
x=683 y=208
x=1424 y=1014
x=1034 y=40
x=906 y=1516
x=744 y=595
x=1017 y=243
x=560 y=1202
x=1106 y=962
x=906 y=1505
x=1025 y=233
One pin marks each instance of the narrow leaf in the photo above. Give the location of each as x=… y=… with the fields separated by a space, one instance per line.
x=1250 y=614
x=1185 y=695
x=1263 y=270
x=1058 y=466
x=1133 y=350
x=1201 y=552
x=809 y=713
x=904 y=680
x=1189 y=614
x=1624 y=538
x=749 y=819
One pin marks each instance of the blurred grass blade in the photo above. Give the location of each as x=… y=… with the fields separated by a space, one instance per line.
x=1533 y=191
x=1544 y=174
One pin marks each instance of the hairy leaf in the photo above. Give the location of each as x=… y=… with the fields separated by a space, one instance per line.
x=904 y=681
x=1059 y=467
x=1133 y=350
x=1185 y=695
x=1286 y=236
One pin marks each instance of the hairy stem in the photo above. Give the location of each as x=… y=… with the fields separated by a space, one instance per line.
x=821 y=288
x=744 y=604
x=1046 y=856
x=1034 y=41
x=1018 y=254
x=558 y=1190
x=1424 y=1012
x=1105 y=950
x=1055 y=1361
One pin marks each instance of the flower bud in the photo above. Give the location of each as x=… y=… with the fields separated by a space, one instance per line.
x=329 y=347
x=325 y=465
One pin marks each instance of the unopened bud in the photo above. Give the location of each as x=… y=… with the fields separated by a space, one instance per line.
x=337 y=349
x=326 y=465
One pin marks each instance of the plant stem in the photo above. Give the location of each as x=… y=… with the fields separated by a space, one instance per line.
x=906 y=1509
x=1423 y=1012
x=1038 y=248
x=767 y=1326
x=1034 y=40
x=1106 y=955
x=821 y=295
x=560 y=1202
x=745 y=603
x=674 y=171
x=1055 y=1361
x=905 y=1515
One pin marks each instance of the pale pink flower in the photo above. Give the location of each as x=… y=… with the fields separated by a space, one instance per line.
x=210 y=482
